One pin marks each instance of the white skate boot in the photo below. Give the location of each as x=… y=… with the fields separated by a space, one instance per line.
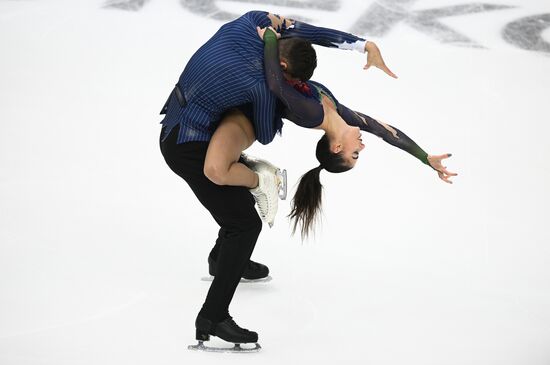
x=265 y=195
x=259 y=165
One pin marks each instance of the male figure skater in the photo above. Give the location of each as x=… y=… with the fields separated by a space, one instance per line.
x=227 y=72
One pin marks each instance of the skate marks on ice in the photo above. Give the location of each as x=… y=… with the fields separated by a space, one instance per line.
x=243 y=280
x=527 y=32
x=383 y=15
x=209 y=9
x=132 y=5
x=237 y=348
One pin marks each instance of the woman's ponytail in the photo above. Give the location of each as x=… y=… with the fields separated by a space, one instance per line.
x=306 y=202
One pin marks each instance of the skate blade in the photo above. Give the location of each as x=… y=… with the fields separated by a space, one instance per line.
x=281 y=176
x=235 y=349
x=247 y=281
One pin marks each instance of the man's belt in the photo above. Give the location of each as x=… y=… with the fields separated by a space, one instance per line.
x=179 y=96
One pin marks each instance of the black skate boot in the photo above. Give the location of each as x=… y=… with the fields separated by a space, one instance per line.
x=228 y=331
x=254 y=271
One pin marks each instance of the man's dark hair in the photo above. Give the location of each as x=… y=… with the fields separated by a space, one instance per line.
x=300 y=55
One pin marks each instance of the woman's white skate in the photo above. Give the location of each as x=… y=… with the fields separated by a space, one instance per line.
x=259 y=165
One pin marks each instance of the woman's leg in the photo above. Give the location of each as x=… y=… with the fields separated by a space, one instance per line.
x=222 y=166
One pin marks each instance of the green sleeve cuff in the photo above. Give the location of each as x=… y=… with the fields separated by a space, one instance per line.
x=269 y=36
x=424 y=159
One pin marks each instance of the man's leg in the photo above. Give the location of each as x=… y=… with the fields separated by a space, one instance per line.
x=236 y=245
x=232 y=207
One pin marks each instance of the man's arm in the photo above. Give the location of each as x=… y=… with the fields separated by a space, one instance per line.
x=325 y=37
x=330 y=38
x=321 y=36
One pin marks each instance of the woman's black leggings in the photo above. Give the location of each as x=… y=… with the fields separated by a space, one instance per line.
x=233 y=209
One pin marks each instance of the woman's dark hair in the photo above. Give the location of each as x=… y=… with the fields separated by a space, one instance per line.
x=300 y=55
x=307 y=199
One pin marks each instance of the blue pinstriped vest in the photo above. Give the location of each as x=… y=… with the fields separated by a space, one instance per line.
x=225 y=72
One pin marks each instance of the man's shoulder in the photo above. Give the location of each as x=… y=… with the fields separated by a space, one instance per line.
x=247 y=21
x=254 y=16
x=255 y=13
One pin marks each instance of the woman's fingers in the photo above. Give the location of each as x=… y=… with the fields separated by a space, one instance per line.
x=274 y=31
x=381 y=65
x=260 y=32
x=443 y=177
x=442 y=157
x=447 y=172
x=444 y=174
x=388 y=71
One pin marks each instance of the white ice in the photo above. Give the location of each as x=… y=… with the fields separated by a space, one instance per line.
x=102 y=247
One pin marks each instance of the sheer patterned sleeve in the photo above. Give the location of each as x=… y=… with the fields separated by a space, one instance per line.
x=385 y=131
x=304 y=111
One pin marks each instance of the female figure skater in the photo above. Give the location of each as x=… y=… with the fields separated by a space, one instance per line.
x=313 y=106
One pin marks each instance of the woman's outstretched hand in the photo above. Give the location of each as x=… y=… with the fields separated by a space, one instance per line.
x=435 y=163
x=374 y=58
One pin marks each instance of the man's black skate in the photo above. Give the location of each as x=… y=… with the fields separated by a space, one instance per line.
x=254 y=271
x=228 y=331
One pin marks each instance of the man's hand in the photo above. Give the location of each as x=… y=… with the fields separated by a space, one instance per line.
x=435 y=162
x=374 y=58
x=261 y=32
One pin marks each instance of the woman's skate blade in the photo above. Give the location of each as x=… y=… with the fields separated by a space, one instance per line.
x=235 y=349
x=257 y=164
x=281 y=177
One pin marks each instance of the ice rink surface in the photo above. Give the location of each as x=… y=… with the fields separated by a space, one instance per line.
x=102 y=247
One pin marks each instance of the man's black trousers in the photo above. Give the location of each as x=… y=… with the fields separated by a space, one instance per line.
x=233 y=209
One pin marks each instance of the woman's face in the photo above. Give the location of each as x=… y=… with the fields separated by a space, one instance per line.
x=351 y=145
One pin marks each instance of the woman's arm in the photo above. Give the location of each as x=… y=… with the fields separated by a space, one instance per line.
x=396 y=138
x=306 y=111
x=385 y=131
